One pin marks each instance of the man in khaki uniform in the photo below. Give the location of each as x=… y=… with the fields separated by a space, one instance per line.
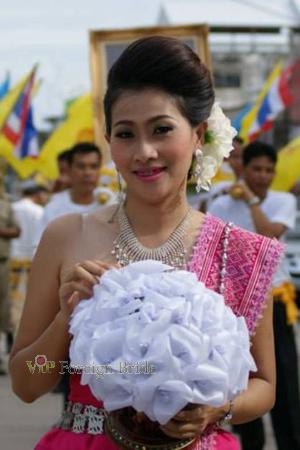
x=8 y=229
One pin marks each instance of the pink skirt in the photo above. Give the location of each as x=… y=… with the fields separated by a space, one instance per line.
x=57 y=439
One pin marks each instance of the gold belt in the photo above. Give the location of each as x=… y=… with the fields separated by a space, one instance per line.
x=121 y=427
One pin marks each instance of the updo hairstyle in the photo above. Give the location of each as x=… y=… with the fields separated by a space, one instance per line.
x=167 y=64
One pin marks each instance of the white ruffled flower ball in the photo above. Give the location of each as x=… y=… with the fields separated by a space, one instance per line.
x=160 y=340
x=217 y=146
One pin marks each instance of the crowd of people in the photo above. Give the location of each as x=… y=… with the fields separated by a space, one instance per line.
x=158 y=100
x=76 y=190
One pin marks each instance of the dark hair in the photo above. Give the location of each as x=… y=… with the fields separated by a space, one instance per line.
x=32 y=190
x=64 y=156
x=238 y=139
x=164 y=63
x=82 y=149
x=257 y=149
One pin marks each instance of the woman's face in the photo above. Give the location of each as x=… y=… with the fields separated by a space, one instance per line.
x=152 y=143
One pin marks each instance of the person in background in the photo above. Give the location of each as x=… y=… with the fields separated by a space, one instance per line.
x=28 y=212
x=84 y=161
x=9 y=229
x=251 y=204
x=235 y=159
x=63 y=181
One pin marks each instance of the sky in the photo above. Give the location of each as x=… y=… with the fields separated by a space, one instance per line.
x=54 y=34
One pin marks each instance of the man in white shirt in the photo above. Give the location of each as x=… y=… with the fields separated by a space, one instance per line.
x=251 y=205
x=28 y=212
x=83 y=196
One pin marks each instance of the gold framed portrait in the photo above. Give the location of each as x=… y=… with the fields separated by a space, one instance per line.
x=107 y=45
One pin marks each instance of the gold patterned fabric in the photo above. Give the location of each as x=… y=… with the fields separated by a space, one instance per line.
x=286 y=293
x=19 y=272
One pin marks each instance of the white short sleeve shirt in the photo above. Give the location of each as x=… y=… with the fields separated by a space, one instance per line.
x=279 y=207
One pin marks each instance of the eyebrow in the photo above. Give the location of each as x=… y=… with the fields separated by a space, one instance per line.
x=151 y=120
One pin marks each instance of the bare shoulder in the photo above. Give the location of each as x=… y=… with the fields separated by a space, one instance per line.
x=103 y=221
x=61 y=231
x=75 y=237
x=70 y=226
x=105 y=215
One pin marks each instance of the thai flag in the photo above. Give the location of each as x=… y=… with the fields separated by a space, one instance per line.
x=19 y=128
x=273 y=99
x=28 y=145
x=237 y=120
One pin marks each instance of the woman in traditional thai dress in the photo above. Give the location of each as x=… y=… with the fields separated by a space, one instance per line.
x=159 y=108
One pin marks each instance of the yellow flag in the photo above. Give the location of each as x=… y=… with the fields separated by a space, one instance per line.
x=78 y=127
x=288 y=166
x=24 y=167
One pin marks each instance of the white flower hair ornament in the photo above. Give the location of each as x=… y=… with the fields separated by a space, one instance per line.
x=217 y=146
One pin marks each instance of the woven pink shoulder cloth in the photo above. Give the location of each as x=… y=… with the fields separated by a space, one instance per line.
x=252 y=260
x=251 y=263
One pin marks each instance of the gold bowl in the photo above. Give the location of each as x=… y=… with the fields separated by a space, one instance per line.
x=133 y=431
x=236 y=192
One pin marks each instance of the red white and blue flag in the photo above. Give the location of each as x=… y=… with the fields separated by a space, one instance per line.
x=274 y=98
x=19 y=128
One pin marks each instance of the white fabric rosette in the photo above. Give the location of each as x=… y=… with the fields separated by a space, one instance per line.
x=179 y=341
x=217 y=145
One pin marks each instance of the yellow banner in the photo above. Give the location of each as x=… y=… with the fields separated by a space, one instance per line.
x=24 y=167
x=78 y=127
x=288 y=166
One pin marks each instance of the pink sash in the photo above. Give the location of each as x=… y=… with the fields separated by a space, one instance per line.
x=252 y=260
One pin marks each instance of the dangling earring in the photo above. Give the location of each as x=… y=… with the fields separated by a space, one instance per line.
x=198 y=169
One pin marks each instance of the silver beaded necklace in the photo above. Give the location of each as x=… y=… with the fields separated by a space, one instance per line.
x=127 y=248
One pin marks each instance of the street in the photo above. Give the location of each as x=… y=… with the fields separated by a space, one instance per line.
x=22 y=424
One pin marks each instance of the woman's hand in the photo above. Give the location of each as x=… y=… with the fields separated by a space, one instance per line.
x=192 y=422
x=79 y=282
